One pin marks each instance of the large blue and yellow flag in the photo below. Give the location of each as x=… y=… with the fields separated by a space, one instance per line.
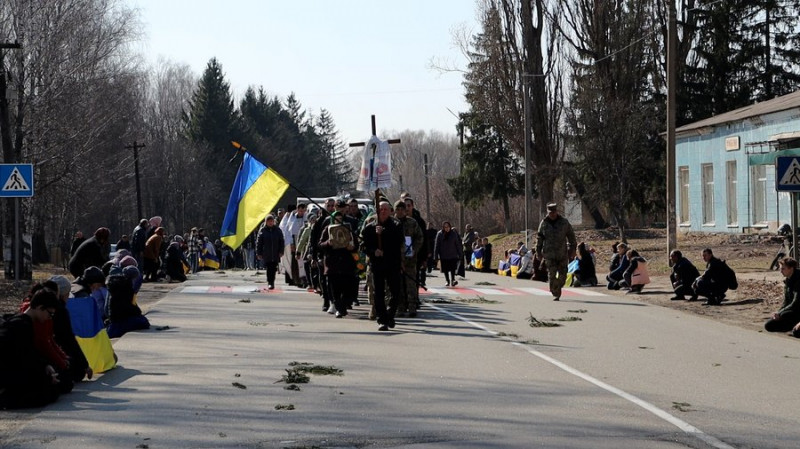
x=255 y=193
x=92 y=337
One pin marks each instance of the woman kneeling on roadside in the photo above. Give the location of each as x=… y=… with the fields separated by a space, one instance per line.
x=636 y=275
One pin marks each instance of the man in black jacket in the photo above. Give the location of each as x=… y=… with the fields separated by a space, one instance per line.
x=425 y=252
x=384 y=244
x=713 y=283
x=269 y=248
x=94 y=252
x=683 y=275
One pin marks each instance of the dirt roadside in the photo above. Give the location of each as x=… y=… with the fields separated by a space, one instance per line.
x=760 y=291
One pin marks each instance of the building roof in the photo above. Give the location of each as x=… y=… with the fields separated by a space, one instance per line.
x=778 y=104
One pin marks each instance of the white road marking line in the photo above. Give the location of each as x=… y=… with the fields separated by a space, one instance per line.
x=677 y=422
x=238 y=290
x=584 y=291
x=535 y=291
x=442 y=291
x=491 y=291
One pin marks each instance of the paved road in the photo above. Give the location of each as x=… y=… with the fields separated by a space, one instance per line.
x=466 y=373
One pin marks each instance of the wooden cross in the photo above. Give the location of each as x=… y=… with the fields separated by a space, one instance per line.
x=374 y=147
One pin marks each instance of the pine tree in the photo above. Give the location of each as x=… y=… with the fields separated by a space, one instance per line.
x=771 y=32
x=210 y=125
x=490 y=168
x=211 y=116
x=335 y=152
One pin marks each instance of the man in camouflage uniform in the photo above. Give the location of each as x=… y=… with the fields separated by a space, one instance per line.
x=369 y=279
x=556 y=244
x=414 y=239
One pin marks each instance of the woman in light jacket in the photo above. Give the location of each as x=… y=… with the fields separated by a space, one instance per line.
x=636 y=276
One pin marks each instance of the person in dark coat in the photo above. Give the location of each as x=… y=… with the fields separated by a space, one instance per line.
x=339 y=263
x=138 y=241
x=683 y=275
x=618 y=267
x=426 y=251
x=430 y=240
x=26 y=378
x=384 y=244
x=787 y=318
x=269 y=248
x=586 y=274
x=76 y=243
x=124 y=243
x=175 y=261
x=448 y=249
x=123 y=314
x=91 y=253
x=713 y=283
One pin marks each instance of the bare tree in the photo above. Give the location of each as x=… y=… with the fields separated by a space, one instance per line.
x=517 y=56
x=75 y=84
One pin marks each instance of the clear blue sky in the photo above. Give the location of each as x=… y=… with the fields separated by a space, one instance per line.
x=351 y=57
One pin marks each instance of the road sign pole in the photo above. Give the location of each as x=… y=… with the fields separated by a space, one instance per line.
x=16 y=241
x=794 y=226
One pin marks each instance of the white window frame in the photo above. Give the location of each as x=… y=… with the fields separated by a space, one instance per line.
x=683 y=195
x=758 y=175
x=707 y=182
x=731 y=184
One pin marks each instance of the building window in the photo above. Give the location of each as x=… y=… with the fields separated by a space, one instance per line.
x=733 y=210
x=683 y=186
x=708 y=193
x=759 y=177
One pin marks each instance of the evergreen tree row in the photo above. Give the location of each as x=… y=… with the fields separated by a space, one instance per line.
x=304 y=149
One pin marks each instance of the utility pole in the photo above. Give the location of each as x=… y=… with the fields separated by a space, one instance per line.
x=135 y=147
x=461 y=220
x=672 y=79
x=9 y=156
x=527 y=130
x=427 y=190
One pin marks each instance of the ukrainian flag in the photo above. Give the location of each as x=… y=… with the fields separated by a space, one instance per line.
x=87 y=325
x=255 y=193
x=209 y=260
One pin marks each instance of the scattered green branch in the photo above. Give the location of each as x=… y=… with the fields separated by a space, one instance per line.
x=533 y=322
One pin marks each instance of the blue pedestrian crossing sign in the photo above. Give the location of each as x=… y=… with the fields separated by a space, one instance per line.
x=16 y=180
x=787 y=174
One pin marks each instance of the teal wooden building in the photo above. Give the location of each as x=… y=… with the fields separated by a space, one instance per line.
x=726 y=168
